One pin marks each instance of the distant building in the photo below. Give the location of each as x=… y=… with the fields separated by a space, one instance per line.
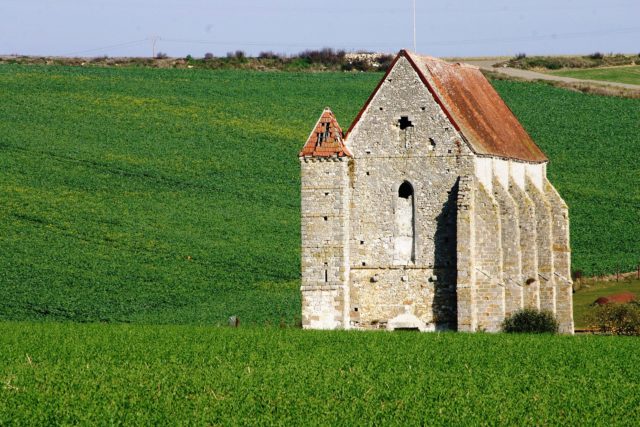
x=433 y=211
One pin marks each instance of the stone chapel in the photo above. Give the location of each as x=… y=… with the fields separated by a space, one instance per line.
x=432 y=212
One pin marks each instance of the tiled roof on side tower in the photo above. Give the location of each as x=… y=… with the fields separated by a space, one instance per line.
x=326 y=138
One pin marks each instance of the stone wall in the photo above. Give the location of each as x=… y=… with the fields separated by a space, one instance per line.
x=325 y=237
x=404 y=136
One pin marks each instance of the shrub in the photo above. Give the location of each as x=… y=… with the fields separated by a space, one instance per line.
x=531 y=320
x=357 y=64
x=596 y=55
x=615 y=319
x=325 y=56
x=268 y=55
x=385 y=62
x=238 y=54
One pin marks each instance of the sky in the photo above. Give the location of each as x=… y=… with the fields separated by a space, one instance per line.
x=443 y=28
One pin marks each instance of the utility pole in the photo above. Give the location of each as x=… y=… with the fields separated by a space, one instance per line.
x=154 y=40
x=414 y=25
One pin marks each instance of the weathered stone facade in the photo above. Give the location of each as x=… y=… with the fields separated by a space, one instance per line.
x=406 y=226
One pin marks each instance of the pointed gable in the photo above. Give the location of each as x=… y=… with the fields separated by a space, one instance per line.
x=473 y=106
x=326 y=138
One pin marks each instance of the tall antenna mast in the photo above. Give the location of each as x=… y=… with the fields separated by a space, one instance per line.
x=414 y=25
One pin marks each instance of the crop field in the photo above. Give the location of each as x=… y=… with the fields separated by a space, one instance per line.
x=627 y=74
x=172 y=196
x=97 y=374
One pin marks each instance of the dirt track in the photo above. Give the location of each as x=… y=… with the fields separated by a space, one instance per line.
x=487 y=64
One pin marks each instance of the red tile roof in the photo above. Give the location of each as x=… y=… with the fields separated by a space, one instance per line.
x=325 y=139
x=473 y=106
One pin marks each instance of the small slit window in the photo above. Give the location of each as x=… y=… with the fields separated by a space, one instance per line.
x=404 y=229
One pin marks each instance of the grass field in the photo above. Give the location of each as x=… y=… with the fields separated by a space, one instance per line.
x=172 y=196
x=97 y=374
x=584 y=297
x=627 y=74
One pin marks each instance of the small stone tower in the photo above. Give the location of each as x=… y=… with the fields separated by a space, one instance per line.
x=432 y=212
x=325 y=225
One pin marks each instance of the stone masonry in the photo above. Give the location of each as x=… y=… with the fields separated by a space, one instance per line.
x=432 y=213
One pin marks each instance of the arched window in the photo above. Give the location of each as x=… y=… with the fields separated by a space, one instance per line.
x=406 y=190
x=404 y=233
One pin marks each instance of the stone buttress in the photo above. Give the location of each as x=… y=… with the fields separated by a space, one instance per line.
x=513 y=248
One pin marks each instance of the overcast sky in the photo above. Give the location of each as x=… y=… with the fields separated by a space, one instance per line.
x=444 y=28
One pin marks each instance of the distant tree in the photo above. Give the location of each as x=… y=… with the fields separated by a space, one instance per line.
x=268 y=55
x=161 y=55
x=326 y=56
x=208 y=55
x=238 y=54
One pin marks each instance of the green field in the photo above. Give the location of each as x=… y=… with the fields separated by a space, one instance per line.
x=627 y=74
x=96 y=374
x=172 y=196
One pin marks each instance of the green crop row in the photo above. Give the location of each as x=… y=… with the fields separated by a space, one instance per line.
x=172 y=196
x=625 y=74
x=74 y=374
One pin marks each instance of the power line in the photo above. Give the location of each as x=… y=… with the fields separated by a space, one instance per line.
x=239 y=43
x=538 y=37
x=441 y=43
x=133 y=42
